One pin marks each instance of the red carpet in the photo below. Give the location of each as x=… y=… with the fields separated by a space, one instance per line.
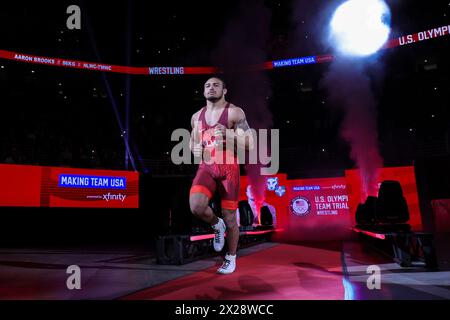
x=284 y=272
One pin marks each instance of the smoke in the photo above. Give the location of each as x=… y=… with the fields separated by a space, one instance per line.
x=349 y=88
x=243 y=44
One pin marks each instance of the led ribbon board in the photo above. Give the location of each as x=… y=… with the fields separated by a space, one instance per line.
x=180 y=70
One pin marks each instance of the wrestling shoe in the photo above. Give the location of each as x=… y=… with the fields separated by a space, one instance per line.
x=228 y=265
x=219 y=235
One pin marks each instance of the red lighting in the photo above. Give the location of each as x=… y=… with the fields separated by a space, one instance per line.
x=370 y=234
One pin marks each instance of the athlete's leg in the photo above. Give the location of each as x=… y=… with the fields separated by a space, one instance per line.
x=200 y=208
x=229 y=262
x=202 y=190
x=229 y=190
x=229 y=216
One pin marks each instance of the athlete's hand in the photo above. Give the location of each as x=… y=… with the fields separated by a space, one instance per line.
x=197 y=150
x=220 y=131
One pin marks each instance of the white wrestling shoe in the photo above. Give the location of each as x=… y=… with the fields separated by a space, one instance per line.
x=219 y=235
x=228 y=265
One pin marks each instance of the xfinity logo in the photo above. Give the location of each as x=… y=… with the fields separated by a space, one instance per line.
x=108 y=196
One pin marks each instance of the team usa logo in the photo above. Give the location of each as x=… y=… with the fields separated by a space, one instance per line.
x=300 y=206
x=280 y=191
x=272 y=183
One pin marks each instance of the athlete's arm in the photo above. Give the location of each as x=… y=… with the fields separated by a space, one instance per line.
x=244 y=136
x=194 y=143
x=191 y=141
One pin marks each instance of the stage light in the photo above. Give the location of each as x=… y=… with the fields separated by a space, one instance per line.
x=360 y=27
x=391 y=204
x=266 y=218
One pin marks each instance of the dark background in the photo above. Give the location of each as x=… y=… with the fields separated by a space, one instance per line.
x=65 y=117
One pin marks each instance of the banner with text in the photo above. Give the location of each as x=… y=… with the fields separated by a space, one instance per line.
x=36 y=186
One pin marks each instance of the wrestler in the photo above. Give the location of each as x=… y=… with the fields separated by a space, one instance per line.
x=218 y=130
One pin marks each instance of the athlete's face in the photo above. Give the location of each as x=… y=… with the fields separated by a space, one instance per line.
x=214 y=90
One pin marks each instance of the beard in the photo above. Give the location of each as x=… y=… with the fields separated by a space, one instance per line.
x=214 y=99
